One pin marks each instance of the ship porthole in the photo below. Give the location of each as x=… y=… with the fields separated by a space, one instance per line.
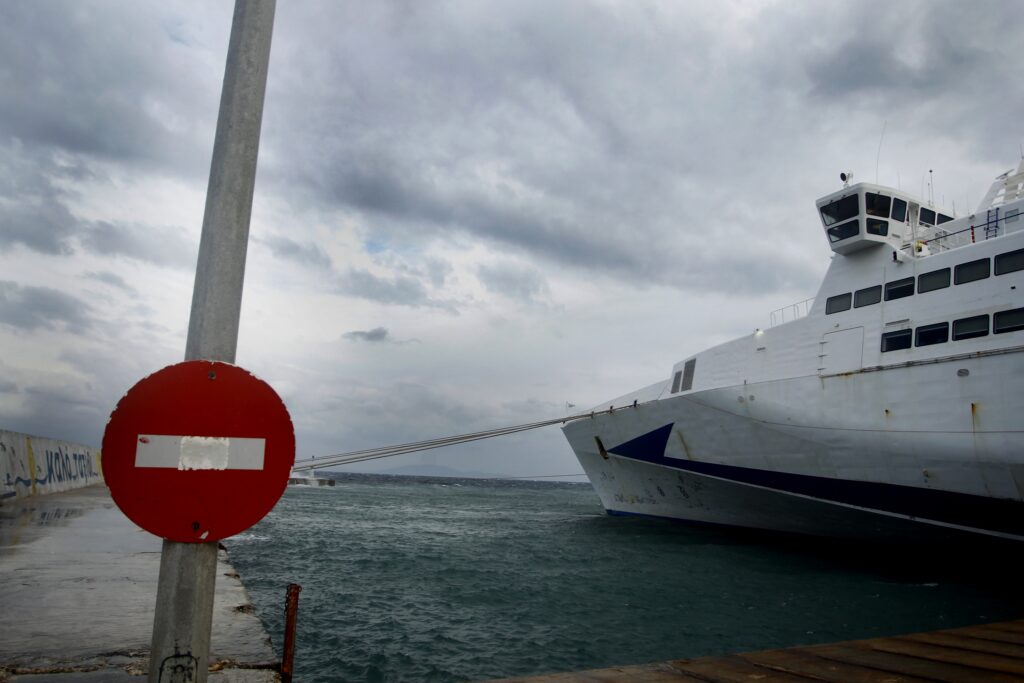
x=963 y=372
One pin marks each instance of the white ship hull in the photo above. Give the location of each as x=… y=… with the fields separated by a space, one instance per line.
x=817 y=427
x=838 y=469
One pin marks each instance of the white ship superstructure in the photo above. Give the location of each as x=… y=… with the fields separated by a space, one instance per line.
x=894 y=407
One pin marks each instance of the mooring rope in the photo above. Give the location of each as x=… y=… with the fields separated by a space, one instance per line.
x=317 y=462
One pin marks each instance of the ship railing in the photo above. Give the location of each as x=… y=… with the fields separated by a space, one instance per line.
x=791 y=312
x=994 y=226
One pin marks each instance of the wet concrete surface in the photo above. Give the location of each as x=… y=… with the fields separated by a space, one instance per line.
x=77 y=588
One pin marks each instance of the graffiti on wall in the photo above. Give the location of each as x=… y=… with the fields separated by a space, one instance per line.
x=30 y=465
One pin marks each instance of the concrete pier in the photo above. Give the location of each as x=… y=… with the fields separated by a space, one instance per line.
x=77 y=587
x=985 y=653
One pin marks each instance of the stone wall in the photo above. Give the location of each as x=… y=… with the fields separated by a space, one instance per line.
x=33 y=465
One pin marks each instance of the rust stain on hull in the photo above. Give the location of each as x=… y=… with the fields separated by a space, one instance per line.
x=686 y=447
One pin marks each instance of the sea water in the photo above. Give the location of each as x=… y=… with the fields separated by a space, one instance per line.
x=425 y=579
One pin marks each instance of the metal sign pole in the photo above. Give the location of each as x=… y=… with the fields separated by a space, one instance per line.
x=184 y=602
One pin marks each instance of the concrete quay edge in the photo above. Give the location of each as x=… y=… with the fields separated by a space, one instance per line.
x=78 y=584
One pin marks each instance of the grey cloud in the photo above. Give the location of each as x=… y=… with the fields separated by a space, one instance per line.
x=399 y=290
x=109 y=93
x=36 y=214
x=438 y=271
x=394 y=413
x=503 y=132
x=885 y=57
x=34 y=207
x=930 y=65
x=31 y=308
x=304 y=254
x=161 y=245
x=82 y=416
x=39 y=225
x=377 y=334
x=514 y=282
x=528 y=129
x=113 y=280
x=584 y=241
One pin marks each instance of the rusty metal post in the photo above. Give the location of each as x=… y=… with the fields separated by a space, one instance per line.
x=291 y=617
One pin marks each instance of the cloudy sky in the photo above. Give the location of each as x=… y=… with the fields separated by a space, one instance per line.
x=467 y=214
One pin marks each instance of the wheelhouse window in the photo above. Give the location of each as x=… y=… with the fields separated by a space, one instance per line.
x=675 y=381
x=927 y=216
x=943 y=218
x=896 y=341
x=877 y=227
x=840 y=210
x=899 y=209
x=877 y=204
x=867 y=296
x=971 y=271
x=926 y=335
x=929 y=282
x=969 y=328
x=1010 y=262
x=1008 y=321
x=897 y=289
x=835 y=304
x=844 y=231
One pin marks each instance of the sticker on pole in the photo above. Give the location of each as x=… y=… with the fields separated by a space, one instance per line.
x=198 y=451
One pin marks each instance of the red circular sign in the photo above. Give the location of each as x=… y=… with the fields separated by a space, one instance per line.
x=198 y=451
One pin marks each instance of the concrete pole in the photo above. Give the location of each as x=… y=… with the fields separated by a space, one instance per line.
x=184 y=601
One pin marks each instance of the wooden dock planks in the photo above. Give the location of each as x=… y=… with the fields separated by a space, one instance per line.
x=989 y=653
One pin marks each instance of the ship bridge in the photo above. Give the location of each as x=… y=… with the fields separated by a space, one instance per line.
x=865 y=215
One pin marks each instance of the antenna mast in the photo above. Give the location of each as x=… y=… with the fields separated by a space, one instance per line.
x=879 y=155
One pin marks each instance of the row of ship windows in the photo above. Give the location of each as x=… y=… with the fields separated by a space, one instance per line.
x=971 y=271
x=964 y=328
x=877 y=205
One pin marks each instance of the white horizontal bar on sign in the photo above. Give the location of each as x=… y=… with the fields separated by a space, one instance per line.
x=199 y=452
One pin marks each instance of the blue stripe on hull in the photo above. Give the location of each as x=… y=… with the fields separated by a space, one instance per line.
x=959 y=509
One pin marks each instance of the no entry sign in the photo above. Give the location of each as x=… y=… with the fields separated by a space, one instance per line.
x=198 y=451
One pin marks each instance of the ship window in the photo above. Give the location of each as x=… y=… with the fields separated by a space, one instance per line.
x=895 y=341
x=926 y=335
x=835 y=304
x=688 y=374
x=841 y=232
x=675 y=381
x=1008 y=321
x=943 y=218
x=969 y=328
x=1012 y=216
x=897 y=289
x=899 y=209
x=877 y=227
x=877 y=204
x=971 y=271
x=840 y=210
x=929 y=282
x=1009 y=262
x=867 y=296
x=927 y=216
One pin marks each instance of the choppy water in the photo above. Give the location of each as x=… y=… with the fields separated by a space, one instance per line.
x=411 y=579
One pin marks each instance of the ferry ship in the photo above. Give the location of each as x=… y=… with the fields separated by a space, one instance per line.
x=892 y=407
